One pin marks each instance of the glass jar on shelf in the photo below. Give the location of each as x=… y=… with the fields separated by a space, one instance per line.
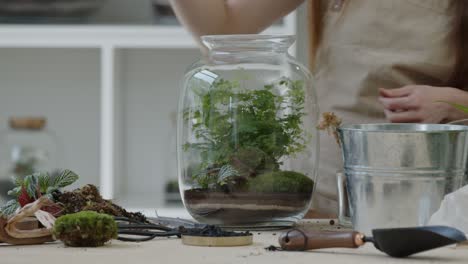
x=247 y=137
x=26 y=147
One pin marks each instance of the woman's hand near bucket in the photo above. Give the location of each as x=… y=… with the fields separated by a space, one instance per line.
x=422 y=104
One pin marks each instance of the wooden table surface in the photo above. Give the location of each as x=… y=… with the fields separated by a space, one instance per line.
x=171 y=250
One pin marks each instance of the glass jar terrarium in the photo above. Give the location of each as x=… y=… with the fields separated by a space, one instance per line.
x=25 y=148
x=247 y=138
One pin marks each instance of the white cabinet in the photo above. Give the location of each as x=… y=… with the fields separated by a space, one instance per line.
x=110 y=93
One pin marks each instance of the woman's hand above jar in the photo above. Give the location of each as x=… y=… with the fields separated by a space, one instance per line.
x=422 y=104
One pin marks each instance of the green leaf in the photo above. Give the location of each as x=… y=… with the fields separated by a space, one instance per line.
x=10 y=208
x=31 y=184
x=15 y=191
x=44 y=182
x=226 y=172
x=457 y=106
x=18 y=181
x=67 y=177
x=51 y=189
x=49 y=196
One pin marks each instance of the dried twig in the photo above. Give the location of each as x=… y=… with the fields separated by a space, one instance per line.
x=330 y=122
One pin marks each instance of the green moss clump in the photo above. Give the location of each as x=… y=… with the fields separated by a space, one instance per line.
x=85 y=229
x=281 y=182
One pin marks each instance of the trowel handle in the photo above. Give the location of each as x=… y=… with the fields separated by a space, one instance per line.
x=297 y=239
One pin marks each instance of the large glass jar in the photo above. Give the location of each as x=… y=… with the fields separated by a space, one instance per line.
x=26 y=147
x=247 y=138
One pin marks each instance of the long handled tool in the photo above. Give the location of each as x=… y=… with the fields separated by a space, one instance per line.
x=396 y=242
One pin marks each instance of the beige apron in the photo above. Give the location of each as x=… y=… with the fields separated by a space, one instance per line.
x=367 y=44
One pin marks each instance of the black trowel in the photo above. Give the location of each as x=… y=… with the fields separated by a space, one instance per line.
x=396 y=242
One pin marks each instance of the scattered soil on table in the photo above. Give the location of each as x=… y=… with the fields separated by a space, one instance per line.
x=272 y=248
x=243 y=207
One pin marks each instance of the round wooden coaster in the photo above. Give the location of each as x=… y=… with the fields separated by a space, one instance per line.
x=231 y=241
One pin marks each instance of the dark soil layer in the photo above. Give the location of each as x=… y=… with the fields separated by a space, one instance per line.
x=241 y=208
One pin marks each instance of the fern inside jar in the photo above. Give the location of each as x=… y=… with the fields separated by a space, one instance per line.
x=247 y=138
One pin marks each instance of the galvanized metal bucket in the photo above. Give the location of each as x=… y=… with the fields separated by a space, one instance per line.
x=397 y=174
x=462 y=122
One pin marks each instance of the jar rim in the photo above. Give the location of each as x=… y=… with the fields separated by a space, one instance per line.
x=248 y=42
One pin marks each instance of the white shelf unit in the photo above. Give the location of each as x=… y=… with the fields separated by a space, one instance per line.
x=113 y=44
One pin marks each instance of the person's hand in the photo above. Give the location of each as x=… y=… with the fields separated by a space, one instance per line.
x=417 y=104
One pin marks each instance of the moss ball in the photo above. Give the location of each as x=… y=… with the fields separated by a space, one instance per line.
x=85 y=229
x=281 y=182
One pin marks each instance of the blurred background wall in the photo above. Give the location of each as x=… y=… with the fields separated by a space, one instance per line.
x=63 y=84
